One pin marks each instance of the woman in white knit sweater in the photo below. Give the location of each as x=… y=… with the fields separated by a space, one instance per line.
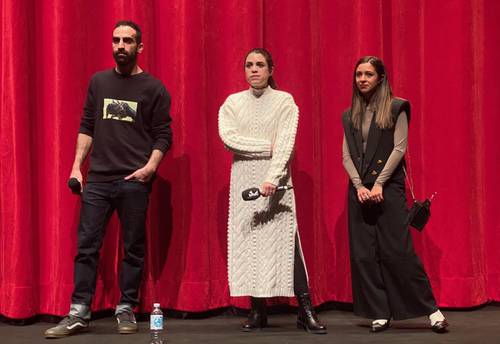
x=258 y=126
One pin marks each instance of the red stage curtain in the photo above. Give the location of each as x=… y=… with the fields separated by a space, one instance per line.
x=441 y=55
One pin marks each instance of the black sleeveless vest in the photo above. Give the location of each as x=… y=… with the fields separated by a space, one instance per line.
x=378 y=147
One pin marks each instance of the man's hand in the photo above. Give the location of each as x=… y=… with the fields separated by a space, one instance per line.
x=76 y=173
x=83 y=144
x=142 y=175
x=267 y=189
x=145 y=173
x=376 y=193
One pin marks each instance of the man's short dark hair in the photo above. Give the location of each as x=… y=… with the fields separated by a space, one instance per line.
x=129 y=23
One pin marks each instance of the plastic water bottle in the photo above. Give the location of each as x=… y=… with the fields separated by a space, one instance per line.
x=156 y=325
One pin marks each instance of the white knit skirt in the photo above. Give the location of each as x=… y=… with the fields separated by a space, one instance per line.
x=261 y=234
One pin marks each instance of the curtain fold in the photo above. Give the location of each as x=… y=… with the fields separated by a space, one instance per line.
x=441 y=56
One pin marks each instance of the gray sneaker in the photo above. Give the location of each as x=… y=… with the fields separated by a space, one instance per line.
x=126 y=322
x=67 y=326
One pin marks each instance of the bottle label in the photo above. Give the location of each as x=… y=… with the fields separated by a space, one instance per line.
x=156 y=322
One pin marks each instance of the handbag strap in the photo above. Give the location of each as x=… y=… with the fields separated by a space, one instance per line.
x=408 y=176
x=410 y=184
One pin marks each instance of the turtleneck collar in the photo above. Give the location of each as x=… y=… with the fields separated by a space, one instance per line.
x=257 y=93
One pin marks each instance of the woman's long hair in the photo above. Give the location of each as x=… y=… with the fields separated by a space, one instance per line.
x=269 y=61
x=380 y=99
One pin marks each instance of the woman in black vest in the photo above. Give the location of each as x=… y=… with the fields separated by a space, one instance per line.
x=388 y=279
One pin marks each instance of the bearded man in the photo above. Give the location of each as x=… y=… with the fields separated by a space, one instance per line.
x=126 y=122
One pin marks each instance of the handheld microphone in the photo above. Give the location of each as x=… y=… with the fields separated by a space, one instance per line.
x=75 y=186
x=254 y=193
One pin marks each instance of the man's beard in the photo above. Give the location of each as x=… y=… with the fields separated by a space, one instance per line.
x=124 y=59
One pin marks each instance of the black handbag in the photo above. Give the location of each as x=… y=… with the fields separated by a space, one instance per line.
x=420 y=211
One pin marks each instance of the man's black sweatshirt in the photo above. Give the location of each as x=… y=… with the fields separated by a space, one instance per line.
x=127 y=116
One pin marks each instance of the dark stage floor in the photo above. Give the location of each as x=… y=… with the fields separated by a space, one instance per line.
x=478 y=326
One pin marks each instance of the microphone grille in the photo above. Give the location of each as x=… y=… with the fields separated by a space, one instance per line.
x=250 y=194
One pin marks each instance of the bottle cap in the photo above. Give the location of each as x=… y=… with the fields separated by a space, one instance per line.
x=156 y=305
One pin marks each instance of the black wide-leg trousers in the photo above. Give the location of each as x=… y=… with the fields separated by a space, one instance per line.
x=388 y=279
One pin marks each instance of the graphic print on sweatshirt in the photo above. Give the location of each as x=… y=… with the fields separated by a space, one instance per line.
x=119 y=110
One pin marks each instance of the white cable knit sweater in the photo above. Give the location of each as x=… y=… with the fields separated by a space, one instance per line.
x=260 y=131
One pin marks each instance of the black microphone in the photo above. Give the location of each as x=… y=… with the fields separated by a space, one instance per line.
x=75 y=186
x=254 y=193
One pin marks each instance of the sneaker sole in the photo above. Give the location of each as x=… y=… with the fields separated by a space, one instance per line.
x=127 y=331
x=63 y=335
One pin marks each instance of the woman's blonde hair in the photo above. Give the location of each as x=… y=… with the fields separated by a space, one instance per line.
x=380 y=100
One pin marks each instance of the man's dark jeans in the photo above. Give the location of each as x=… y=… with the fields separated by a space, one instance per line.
x=99 y=200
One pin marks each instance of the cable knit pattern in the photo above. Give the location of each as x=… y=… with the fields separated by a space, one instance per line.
x=261 y=234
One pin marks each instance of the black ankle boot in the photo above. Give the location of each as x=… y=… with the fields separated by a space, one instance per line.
x=306 y=316
x=257 y=317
